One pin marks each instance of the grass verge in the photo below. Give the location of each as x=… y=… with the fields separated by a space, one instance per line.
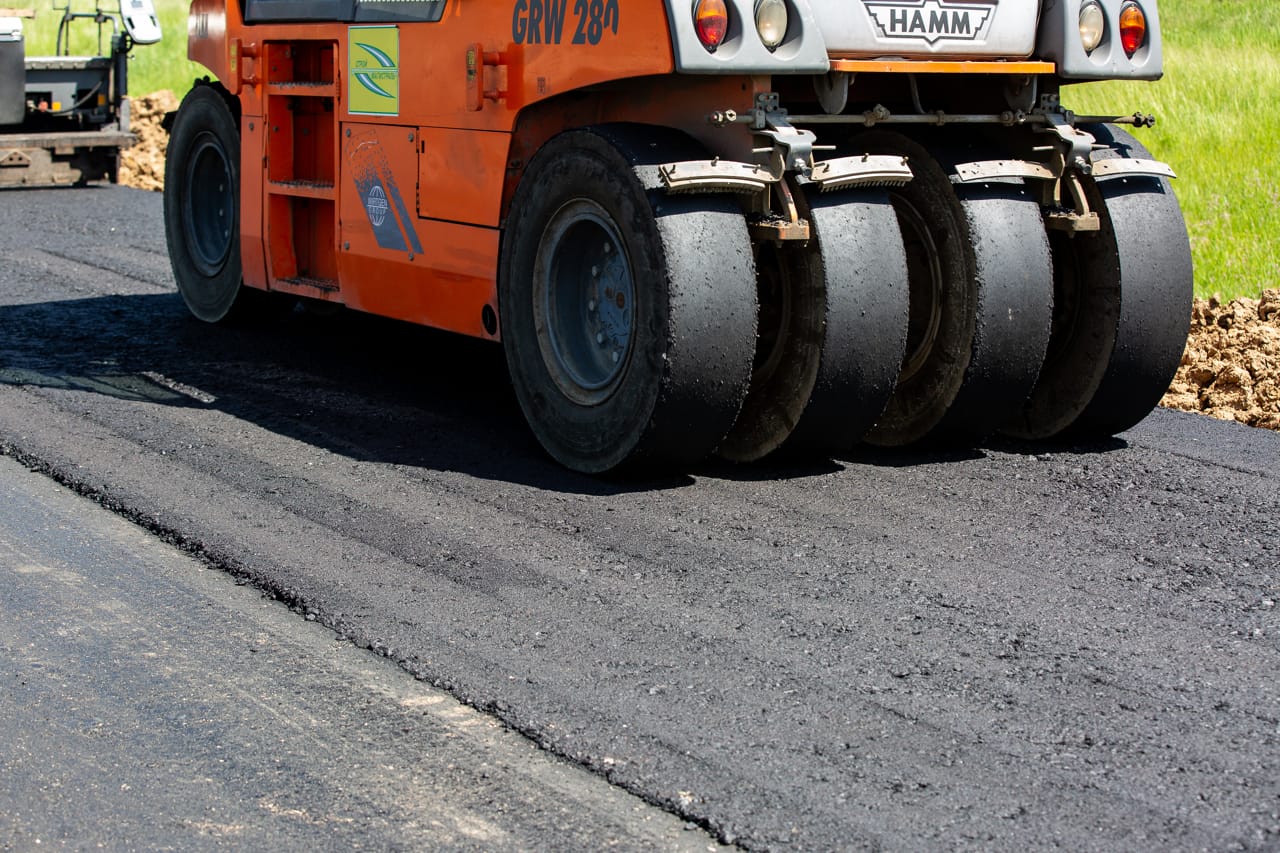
x=1217 y=126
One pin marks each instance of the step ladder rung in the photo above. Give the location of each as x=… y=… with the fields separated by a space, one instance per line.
x=302 y=189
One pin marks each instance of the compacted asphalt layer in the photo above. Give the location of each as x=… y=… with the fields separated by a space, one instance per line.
x=152 y=703
x=1014 y=647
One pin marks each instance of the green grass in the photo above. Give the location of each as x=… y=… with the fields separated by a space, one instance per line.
x=1218 y=127
x=1218 y=120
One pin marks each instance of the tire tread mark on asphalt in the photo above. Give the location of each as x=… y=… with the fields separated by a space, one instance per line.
x=70 y=269
x=223 y=463
x=160 y=521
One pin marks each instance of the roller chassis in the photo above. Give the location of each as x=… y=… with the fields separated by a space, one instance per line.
x=733 y=277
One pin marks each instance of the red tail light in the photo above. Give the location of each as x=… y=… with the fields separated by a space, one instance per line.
x=711 y=21
x=1133 y=28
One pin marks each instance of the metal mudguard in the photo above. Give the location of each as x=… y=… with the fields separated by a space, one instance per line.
x=928 y=29
x=822 y=29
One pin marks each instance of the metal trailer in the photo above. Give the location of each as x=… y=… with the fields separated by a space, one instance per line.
x=64 y=119
x=704 y=226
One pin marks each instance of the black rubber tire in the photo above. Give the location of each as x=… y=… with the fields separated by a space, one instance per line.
x=686 y=361
x=1013 y=268
x=202 y=205
x=981 y=295
x=943 y=295
x=1124 y=308
x=792 y=298
x=858 y=253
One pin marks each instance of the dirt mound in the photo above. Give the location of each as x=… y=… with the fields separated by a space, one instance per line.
x=142 y=166
x=1231 y=367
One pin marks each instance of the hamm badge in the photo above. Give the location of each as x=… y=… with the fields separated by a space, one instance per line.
x=373 y=71
x=931 y=21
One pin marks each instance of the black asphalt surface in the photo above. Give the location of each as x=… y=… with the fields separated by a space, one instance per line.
x=1011 y=648
x=152 y=703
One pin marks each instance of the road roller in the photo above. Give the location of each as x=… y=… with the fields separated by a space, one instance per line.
x=697 y=228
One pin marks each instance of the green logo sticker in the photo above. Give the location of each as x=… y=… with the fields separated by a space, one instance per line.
x=373 y=71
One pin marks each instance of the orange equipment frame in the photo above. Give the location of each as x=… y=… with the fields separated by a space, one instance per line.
x=469 y=115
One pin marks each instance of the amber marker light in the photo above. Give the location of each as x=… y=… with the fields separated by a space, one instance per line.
x=711 y=22
x=1133 y=28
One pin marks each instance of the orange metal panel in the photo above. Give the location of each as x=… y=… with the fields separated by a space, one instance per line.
x=445 y=289
x=308 y=217
x=391 y=262
x=252 y=197
x=460 y=174
x=207 y=34
x=433 y=58
x=888 y=66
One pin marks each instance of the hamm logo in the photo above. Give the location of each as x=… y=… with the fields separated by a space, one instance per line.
x=932 y=21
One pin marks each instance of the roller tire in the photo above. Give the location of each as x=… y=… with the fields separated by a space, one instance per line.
x=859 y=255
x=942 y=300
x=1124 y=308
x=792 y=299
x=202 y=207
x=981 y=295
x=688 y=338
x=1013 y=268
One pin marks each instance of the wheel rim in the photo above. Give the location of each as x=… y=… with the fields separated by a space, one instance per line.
x=210 y=205
x=924 y=272
x=584 y=302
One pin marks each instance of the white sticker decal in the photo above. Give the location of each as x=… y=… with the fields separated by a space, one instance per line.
x=377 y=205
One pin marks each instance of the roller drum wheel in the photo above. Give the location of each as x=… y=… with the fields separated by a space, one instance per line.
x=202 y=206
x=792 y=298
x=628 y=315
x=980 y=300
x=1013 y=268
x=859 y=255
x=1123 y=308
x=833 y=325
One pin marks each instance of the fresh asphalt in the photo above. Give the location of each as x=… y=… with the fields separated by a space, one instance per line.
x=150 y=702
x=1011 y=648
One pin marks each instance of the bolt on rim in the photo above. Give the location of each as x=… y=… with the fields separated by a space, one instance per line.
x=584 y=302
x=210 y=200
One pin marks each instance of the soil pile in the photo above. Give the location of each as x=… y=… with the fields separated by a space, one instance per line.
x=142 y=166
x=1230 y=370
x=1231 y=367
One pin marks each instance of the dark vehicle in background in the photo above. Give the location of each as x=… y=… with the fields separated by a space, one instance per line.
x=64 y=119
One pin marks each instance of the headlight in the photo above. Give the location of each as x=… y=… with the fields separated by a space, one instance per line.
x=771 y=22
x=711 y=22
x=1093 y=25
x=1133 y=28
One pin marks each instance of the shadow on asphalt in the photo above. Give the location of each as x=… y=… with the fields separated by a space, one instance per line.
x=354 y=384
